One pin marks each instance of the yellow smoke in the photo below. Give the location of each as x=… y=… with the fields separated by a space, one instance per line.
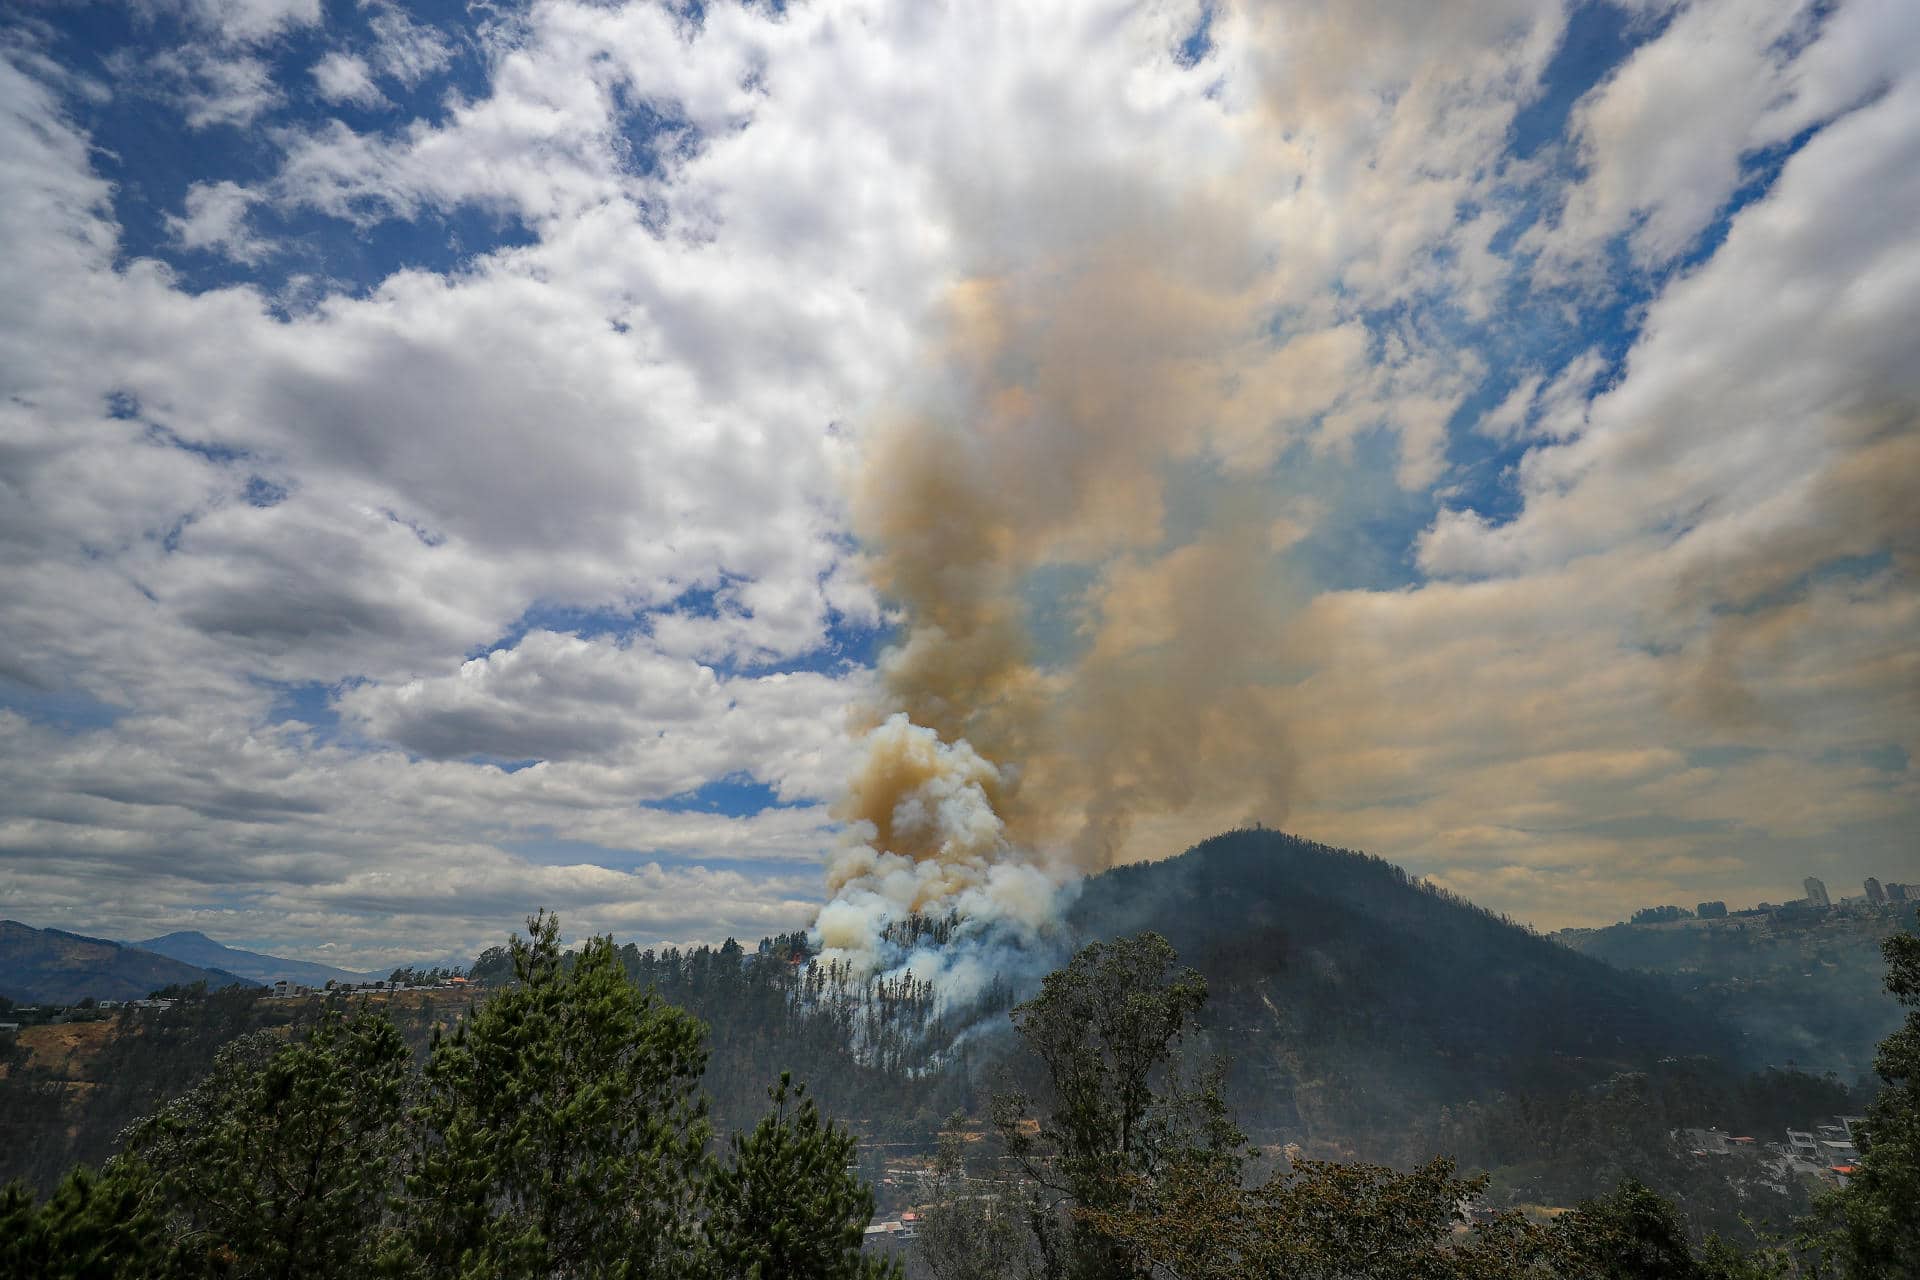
x=1082 y=387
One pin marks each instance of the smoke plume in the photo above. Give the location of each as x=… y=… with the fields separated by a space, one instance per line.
x=1004 y=763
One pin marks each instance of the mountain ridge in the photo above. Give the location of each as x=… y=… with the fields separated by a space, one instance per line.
x=52 y=966
x=193 y=947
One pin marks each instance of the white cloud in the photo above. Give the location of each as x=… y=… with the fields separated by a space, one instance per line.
x=216 y=220
x=345 y=77
x=645 y=417
x=252 y=21
x=406 y=50
x=211 y=86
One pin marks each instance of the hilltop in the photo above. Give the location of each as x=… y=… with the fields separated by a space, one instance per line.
x=1352 y=999
x=50 y=966
x=197 y=948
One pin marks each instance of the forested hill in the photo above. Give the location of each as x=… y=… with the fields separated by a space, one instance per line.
x=1804 y=988
x=48 y=966
x=1350 y=1000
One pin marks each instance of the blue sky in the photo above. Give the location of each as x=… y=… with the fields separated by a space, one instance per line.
x=464 y=459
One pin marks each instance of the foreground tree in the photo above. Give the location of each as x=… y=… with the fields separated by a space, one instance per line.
x=1314 y=1219
x=1116 y=1114
x=1870 y=1229
x=93 y=1227
x=970 y=1231
x=785 y=1205
x=561 y=1132
x=279 y=1163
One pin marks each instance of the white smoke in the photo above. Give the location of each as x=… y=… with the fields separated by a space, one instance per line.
x=926 y=840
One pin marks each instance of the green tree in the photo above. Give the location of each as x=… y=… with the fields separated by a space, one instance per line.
x=1870 y=1229
x=95 y=1226
x=278 y=1164
x=1635 y=1233
x=1316 y=1220
x=560 y=1132
x=786 y=1205
x=1106 y=1028
x=969 y=1231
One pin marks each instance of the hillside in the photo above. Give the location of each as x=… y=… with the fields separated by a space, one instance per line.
x=49 y=966
x=195 y=948
x=1352 y=1001
x=68 y=1089
x=1805 y=989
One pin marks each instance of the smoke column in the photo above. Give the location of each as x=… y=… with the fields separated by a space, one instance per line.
x=1075 y=514
x=995 y=774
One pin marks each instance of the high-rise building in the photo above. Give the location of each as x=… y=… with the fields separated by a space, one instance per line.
x=1875 y=894
x=1816 y=892
x=1898 y=892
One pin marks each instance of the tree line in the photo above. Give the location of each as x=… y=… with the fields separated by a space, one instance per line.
x=558 y=1132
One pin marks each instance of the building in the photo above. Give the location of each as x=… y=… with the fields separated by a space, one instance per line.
x=1711 y=911
x=1900 y=892
x=1817 y=892
x=1875 y=894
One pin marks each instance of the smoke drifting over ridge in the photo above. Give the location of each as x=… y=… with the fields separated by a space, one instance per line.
x=1001 y=767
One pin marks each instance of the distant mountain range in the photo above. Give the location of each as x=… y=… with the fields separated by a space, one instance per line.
x=50 y=966
x=198 y=949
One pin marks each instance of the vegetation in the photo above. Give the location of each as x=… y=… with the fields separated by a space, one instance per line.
x=1802 y=988
x=558 y=1133
x=1124 y=1178
x=1871 y=1227
x=1565 y=1147
x=1358 y=1001
x=593 y=1114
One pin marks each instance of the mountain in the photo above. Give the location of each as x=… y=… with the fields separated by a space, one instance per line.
x=1352 y=1001
x=49 y=966
x=198 y=949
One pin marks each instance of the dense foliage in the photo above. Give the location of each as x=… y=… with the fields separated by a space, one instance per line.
x=1563 y=1147
x=560 y=1130
x=1131 y=1173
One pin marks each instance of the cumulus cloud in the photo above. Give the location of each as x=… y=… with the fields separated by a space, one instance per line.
x=1098 y=366
x=345 y=77
x=216 y=221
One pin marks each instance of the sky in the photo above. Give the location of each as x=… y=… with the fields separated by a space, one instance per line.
x=462 y=459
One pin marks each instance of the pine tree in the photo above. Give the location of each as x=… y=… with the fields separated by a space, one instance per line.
x=95 y=1226
x=560 y=1132
x=278 y=1164
x=786 y=1204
